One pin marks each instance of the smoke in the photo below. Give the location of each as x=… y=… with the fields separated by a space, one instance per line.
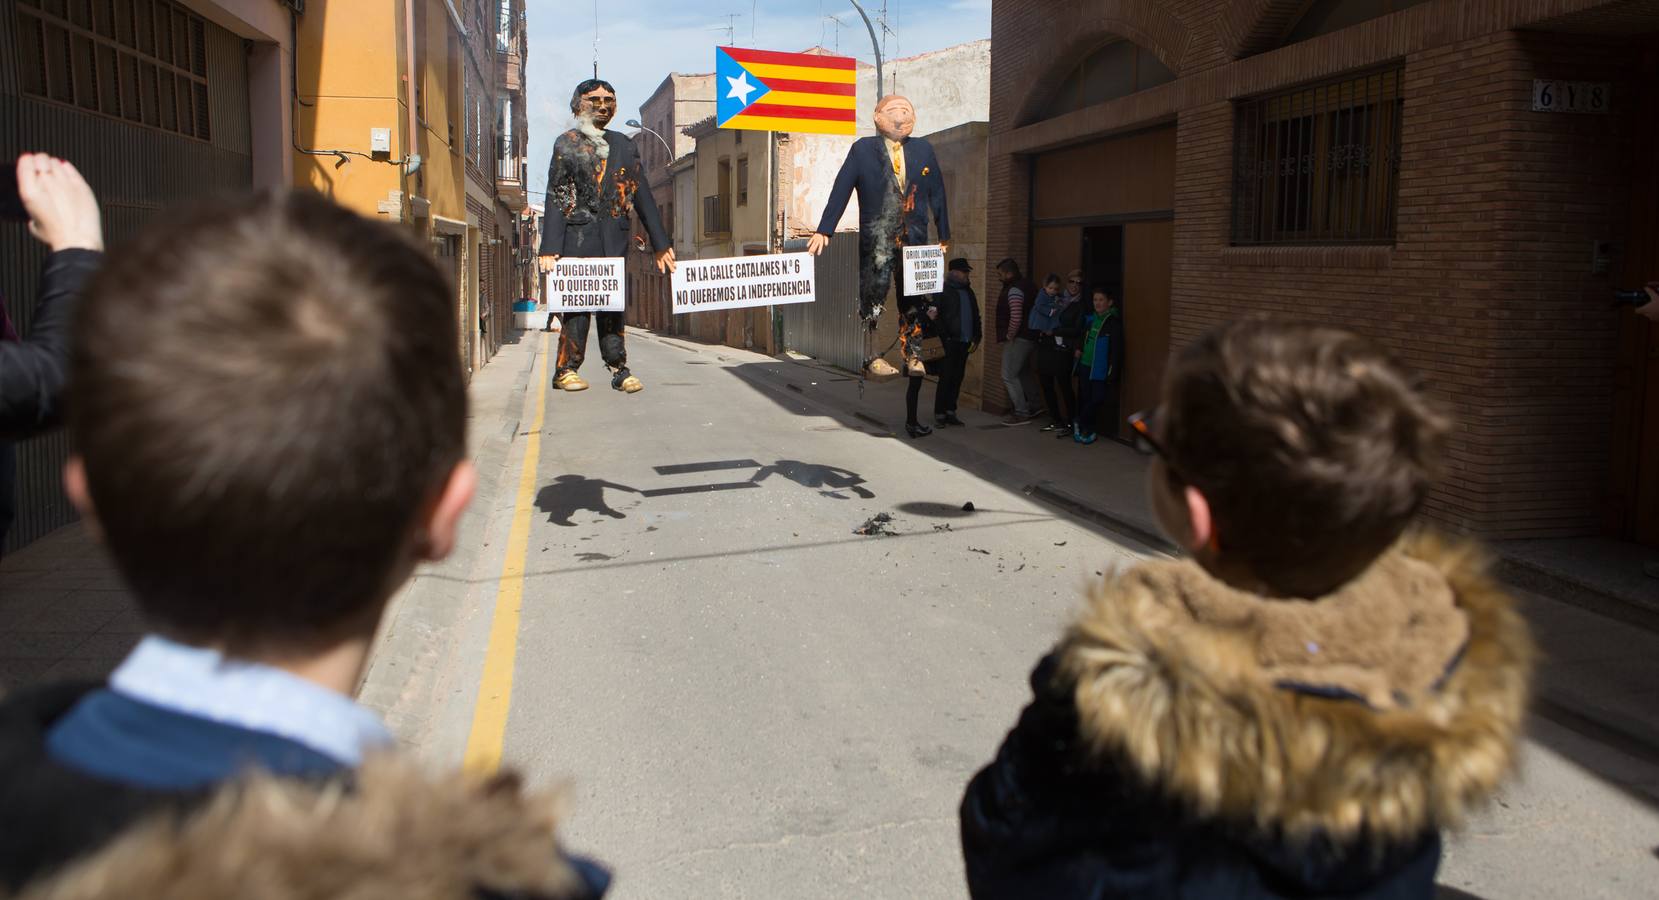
x=886 y=230
x=595 y=136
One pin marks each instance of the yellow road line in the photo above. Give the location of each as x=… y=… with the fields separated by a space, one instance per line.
x=495 y=687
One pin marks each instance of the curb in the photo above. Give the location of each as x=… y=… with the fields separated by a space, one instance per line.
x=1528 y=576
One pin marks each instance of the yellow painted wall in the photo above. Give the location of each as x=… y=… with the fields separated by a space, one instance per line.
x=347 y=70
x=352 y=69
x=438 y=69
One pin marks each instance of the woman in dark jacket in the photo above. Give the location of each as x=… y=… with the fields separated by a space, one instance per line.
x=1057 y=322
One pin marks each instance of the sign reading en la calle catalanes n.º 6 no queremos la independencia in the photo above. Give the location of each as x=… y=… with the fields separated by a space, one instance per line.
x=742 y=281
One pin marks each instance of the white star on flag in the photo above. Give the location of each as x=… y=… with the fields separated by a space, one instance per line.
x=741 y=88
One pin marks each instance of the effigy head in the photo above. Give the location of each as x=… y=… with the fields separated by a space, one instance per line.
x=895 y=117
x=594 y=100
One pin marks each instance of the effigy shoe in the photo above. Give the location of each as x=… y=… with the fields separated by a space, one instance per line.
x=570 y=381
x=628 y=384
x=880 y=368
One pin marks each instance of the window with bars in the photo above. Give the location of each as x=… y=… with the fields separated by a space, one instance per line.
x=1319 y=164
x=144 y=61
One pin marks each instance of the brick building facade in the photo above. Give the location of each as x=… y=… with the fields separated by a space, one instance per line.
x=1379 y=165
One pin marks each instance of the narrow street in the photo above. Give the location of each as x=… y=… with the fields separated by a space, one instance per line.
x=750 y=700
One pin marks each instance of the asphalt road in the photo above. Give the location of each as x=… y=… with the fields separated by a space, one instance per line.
x=751 y=700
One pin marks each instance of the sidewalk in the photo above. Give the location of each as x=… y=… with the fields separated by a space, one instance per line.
x=1595 y=675
x=64 y=612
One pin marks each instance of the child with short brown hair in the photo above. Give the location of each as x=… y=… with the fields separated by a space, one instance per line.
x=1302 y=706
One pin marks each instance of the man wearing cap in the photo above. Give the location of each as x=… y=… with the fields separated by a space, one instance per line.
x=956 y=314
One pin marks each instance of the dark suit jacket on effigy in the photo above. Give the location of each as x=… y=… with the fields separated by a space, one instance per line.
x=869 y=170
x=587 y=214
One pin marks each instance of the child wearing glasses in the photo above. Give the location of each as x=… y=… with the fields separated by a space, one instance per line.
x=1308 y=700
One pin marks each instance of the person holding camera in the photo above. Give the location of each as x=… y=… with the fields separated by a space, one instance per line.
x=62 y=213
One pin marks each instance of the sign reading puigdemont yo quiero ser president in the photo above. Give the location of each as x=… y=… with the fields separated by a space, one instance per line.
x=587 y=285
x=739 y=281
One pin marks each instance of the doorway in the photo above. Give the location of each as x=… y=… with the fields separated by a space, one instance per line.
x=1634 y=500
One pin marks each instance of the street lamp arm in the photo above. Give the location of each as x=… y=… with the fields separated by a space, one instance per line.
x=874 y=42
x=634 y=123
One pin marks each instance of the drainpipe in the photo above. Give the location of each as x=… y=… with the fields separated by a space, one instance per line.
x=412 y=137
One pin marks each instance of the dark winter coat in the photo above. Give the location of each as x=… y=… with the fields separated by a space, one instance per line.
x=1190 y=740
x=590 y=199
x=33 y=371
x=949 y=304
x=382 y=831
x=868 y=169
x=1056 y=351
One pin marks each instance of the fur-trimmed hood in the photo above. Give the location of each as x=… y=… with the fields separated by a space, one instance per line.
x=393 y=832
x=1389 y=708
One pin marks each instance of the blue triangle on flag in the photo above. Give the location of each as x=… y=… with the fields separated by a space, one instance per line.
x=736 y=88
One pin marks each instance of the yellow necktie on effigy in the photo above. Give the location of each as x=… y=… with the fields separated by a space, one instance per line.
x=896 y=150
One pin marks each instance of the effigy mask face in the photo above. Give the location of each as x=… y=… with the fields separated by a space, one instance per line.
x=597 y=106
x=895 y=118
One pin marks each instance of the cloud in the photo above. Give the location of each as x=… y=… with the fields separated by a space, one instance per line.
x=642 y=41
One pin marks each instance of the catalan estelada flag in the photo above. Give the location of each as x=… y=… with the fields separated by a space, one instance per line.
x=760 y=90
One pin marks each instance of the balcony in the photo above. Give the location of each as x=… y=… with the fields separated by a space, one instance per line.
x=510 y=183
x=717 y=215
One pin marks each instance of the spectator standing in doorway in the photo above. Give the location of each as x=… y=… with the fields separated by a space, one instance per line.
x=1018 y=342
x=1099 y=367
x=957 y=319
x=1057 y=320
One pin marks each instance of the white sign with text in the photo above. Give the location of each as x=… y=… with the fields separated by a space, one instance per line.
x=924 y=269
x=736 y=282
x=587 y=285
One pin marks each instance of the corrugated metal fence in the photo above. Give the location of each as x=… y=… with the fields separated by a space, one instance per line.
x=828 y=328
x=136 y=171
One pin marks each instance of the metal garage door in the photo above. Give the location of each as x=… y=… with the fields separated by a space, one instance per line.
x=151 y=103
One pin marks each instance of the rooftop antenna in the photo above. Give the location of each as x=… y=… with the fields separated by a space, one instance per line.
x=838 y=26
x=730 y=28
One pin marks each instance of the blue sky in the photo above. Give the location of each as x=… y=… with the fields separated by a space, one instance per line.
x=642 y=41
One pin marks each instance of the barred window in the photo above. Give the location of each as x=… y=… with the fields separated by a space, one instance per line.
x=1319 y=164
x=144 y=61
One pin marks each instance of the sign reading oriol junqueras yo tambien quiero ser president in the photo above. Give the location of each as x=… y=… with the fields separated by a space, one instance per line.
x=587 y=285
x=924 y=269
x=739 y=281
x=804 y=93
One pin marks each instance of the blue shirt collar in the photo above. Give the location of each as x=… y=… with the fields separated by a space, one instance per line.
x=204 y=683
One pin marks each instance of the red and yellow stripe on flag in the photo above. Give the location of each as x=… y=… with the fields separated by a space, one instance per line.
x=761 y=90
